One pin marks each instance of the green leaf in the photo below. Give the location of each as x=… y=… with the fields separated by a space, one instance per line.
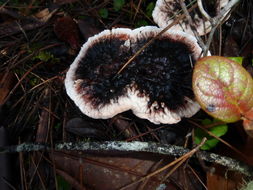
x=223 y=88
x=211 y=142
x=219 y=130
x=103 y=12
x=140 y=23
x=206 y=122
x=57 y=126
x=150 y=9
x=118 y=4
x=62 y=183
x=45 y=57
x=81 y=17
x=34 y=81
x=237 y=59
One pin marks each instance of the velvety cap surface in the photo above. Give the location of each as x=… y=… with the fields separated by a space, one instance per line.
x=156 y=85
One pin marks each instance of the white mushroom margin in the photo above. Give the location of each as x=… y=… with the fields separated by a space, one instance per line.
x=165 y=7
x=131 y=100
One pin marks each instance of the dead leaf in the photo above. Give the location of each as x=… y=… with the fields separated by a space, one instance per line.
x=10 y=28
x=230 y=48
x=80 y=127
x=222 y=179
x=112 y=171
x=124 y=126
x=24 y=23
x=6 y=84
x=88 y=28
x=44 y=15
x=66 y=30
x=43 y=128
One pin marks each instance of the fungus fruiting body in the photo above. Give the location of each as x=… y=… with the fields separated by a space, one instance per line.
x=166 y=11
x=156 y=85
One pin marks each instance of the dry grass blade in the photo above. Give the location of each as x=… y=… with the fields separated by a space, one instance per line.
x=21 y=79
x=178 y=162
x=38 y=174
x=196 y=175
x=146 y=133
x=138 y=8
x=217 y=21
x=174 y=169
x=70 y=179
x=189 y=18
x=4 y=4
x=176 y=21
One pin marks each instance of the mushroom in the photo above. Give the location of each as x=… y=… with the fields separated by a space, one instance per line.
x=156 y=85
x=166 y=10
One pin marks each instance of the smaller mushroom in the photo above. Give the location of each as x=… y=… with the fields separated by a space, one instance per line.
x=166 y=10
x=156 y=85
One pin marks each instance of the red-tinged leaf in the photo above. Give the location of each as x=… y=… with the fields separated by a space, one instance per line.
x=248 y=127
x=67 y=30
x=223 y=88
x=248 y=122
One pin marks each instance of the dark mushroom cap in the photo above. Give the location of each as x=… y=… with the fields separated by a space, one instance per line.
x=156 y=85
x=166 y=10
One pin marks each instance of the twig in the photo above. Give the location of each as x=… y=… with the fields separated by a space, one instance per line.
x=136 y=146
x=189 y=18
x=137 y=10
x=176 y=21
x=215 y=21
x=22 y=30
x=21 y=79
x=202 y=10
x=222 y=14
x=197 y=176
x=4 y=4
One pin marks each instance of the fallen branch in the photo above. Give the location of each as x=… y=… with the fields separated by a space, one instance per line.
x=136 y=146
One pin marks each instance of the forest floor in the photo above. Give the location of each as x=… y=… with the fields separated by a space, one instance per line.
x=39 y=39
